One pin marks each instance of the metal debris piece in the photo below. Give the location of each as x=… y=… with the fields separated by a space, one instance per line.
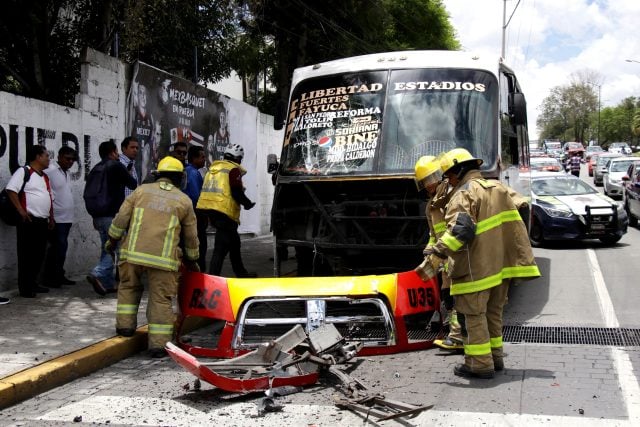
x=359 y=399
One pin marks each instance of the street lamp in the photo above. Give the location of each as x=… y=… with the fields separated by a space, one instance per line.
x=599 y=87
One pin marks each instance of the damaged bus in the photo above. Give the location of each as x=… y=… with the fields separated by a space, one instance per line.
x=345 y=198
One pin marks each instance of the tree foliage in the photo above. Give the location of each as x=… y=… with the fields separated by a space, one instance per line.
x=40 y=40
x=285 y=34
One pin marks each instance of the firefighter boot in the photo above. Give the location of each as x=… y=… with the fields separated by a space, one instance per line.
x=453 y=341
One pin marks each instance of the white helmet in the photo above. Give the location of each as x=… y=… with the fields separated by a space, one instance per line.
x=234 y=150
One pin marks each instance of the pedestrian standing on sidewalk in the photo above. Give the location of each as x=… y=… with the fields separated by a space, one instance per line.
x=152 y=221
x=487 y=246
x=195 y=162
x=129 y=147
x=221 y=197
x=63 y=209
x=35 y=207
x=428 y=177
x=103 y=195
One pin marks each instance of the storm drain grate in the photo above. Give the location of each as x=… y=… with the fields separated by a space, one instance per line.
x=619 y=337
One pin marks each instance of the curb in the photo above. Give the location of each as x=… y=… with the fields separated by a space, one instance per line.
x=61 y=370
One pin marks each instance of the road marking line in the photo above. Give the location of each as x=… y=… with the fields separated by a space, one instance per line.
x=629 y=388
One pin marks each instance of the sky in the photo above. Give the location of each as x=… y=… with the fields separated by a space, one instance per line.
x=548 y=40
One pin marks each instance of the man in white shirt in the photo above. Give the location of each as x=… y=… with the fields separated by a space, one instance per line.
x=35 y=207
x=63 y=208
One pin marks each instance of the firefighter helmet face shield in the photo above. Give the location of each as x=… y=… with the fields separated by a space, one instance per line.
x=427 y=172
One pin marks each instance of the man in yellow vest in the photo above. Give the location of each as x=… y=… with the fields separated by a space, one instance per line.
x=428 y=177
x=152 y=220
x=221 y=196
x=486 y=246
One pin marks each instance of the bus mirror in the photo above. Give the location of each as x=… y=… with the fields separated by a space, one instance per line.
x=518 y=109
x=272 y=163
x=281 y=112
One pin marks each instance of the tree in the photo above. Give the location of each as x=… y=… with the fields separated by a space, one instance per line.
x=280 y=35
x=568 y=112
x=203 y=40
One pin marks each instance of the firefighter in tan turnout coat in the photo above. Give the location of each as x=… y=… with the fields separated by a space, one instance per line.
x=428 y=177
x=487 y=246
x=154 y=218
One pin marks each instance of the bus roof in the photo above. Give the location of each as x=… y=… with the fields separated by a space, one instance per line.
x=398 y=60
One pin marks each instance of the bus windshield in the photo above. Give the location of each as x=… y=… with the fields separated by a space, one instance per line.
x=381 y=122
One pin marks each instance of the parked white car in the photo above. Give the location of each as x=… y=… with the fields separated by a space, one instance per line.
x=619 y=148
x=616 y=169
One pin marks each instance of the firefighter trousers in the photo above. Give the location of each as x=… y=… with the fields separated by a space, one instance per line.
x=163 y=287
x=483 y=322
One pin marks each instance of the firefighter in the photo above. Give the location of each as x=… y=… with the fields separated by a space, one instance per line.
x=487 y=246
x=428 y=177
x=152 y=220
x=221 y=196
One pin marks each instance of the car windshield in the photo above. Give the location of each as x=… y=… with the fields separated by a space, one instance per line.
x=541 y=162
x=564 y=186
x=620 y=165
x=602 y=160
x=594 y=148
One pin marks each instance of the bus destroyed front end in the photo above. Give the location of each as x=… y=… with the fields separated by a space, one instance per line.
x=387 y=313
x=345 y=200
x=229 y=318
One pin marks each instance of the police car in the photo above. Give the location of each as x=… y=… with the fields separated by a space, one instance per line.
x=563 y=207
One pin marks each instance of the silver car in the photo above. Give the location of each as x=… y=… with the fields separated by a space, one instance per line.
x=616 y=169
x=601 y=167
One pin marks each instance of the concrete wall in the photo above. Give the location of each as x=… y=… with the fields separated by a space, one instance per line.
x=100 y=115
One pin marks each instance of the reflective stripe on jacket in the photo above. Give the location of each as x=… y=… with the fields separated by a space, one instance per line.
x=155 y=216
x=486 y=240
x=216 y=191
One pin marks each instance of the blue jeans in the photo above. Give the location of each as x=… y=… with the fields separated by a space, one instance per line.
x=104 y=270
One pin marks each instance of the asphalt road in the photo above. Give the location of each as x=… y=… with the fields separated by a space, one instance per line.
x=584 y=284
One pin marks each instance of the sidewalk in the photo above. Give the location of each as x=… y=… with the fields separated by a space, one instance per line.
x=70 y=332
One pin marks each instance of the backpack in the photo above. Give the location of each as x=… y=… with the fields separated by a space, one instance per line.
x=96 y=192
x=8 y=212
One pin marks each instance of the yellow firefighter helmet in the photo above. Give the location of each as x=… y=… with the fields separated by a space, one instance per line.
x=455 y=157
x=170 y=164
x=427 y=171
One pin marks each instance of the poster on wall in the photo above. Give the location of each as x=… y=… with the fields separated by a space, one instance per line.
x=164 y=109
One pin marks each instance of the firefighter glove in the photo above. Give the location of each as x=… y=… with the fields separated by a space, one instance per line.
x=192 y=266
x=110 y=246
x=426 y=270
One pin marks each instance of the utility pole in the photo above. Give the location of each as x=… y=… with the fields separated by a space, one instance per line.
x=505 y=23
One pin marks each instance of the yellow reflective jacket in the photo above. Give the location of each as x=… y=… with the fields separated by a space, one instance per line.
x=216 y=191
x=154 y=217
x=485 y=240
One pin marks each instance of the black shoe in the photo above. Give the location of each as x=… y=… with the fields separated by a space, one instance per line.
x=41 y=290
x=247 y=275
x=125 y=332
x=53 y=285
x=97 y=285
x=65 y=281
x=498 y=365
x=28 y=294
x=4 y=300
x=463 y=370
x=157 y=353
